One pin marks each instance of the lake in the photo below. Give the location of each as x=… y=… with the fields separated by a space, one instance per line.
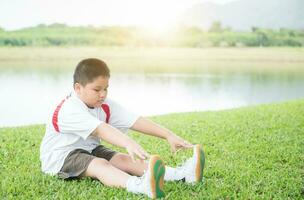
x=27 y=96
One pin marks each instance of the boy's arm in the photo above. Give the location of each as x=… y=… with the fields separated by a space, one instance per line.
x=114 y=136
x=148 y=127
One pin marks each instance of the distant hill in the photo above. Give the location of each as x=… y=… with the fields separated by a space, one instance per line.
x=244 y=14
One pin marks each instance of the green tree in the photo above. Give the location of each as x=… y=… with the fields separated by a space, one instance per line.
x=216 y=27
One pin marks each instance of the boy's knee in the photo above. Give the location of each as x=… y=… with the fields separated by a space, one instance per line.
x=97 y=163
x=122 y=157
x=95 y=167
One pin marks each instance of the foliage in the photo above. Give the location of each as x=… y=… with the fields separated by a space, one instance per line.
x=217 y=27
x=63 y=35
x=251 y=153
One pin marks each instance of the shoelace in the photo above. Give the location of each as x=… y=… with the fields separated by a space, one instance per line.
x=183 y=168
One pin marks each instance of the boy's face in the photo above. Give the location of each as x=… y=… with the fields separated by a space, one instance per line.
x=94 y=93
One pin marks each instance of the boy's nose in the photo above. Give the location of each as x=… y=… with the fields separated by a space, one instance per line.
x=103 y=94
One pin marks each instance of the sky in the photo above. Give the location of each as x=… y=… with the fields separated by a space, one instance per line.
x=16 y=14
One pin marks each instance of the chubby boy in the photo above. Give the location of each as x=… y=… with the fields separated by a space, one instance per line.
x=71 y=147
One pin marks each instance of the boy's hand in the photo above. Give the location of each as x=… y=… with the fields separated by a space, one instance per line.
x=112 y=135
x=134 y=150
x=178 y=143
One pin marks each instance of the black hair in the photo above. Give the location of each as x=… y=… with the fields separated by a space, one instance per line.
x=89 y=69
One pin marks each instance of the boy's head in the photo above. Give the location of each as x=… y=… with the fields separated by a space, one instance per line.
x=88 y=69
x=91 y=78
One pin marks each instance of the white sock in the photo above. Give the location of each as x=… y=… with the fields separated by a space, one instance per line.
x=132 y=186
x=172 y=174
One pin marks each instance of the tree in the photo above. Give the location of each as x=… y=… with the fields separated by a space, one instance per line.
x=216 y=27
x=254 y=29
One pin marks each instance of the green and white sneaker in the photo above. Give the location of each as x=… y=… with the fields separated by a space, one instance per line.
x=152 y=182
x=192 y=170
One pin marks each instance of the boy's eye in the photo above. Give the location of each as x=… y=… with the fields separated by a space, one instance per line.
x=97 y=90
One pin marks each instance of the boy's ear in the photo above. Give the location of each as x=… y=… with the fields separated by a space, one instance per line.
x=77 y=88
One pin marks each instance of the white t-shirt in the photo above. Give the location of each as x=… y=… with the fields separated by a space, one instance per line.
x=70 y=126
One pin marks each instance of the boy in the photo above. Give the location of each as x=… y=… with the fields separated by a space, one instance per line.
x=71 y=145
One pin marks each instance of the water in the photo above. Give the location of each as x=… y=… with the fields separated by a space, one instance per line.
x=28 y=96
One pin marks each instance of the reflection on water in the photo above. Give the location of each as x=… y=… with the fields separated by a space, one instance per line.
x=27 y=97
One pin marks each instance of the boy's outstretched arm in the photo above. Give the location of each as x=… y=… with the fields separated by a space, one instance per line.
x=148 y=127
x=113 y=136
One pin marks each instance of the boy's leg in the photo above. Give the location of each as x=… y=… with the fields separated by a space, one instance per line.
x=106 y=173
x=124 y=162
x=151 y=183
x=191 y=171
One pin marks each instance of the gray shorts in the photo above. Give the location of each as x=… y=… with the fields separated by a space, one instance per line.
x=78 y=161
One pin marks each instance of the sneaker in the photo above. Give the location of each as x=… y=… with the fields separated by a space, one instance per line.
x=152 y=182
x=192 y=170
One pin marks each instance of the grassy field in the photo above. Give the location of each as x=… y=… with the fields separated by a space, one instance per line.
x=177 y=60
x=251 y=153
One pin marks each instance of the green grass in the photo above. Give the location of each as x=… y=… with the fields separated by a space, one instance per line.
x=251 y=153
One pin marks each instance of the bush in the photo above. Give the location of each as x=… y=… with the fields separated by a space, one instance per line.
x=63 y=35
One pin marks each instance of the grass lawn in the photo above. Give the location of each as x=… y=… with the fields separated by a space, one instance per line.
x=251 y=153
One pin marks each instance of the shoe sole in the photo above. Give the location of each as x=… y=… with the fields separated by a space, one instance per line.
x=157 y=169
x=200 y=164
